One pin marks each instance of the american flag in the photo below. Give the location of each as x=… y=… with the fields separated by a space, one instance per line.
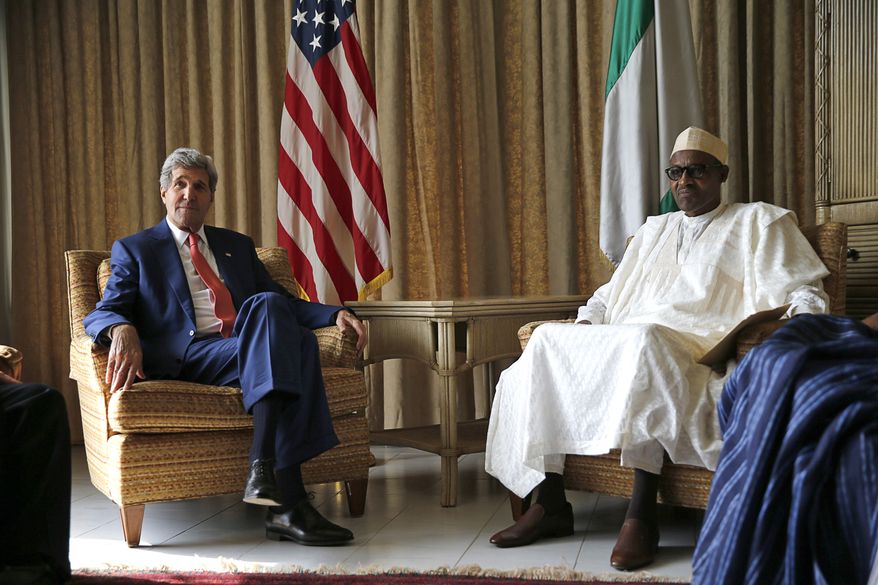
x=331 y=207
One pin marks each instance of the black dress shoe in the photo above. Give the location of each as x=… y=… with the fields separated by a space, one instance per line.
x=261 y=488
x=535 y=524
x=304 y=525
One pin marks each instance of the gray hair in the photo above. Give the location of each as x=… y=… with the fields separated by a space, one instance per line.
x=188 y=158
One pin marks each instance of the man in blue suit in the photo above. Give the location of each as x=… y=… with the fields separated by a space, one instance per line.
x=193 y=302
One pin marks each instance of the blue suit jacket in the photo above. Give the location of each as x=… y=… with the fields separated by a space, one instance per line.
x=148 y=289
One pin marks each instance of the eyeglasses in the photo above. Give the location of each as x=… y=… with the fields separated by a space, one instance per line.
x=694 y=171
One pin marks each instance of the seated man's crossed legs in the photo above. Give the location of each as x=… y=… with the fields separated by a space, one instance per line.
x=276 y=363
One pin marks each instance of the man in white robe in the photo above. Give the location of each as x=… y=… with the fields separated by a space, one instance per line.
x=631 y=380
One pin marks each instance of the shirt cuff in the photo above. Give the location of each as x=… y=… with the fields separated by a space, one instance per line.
x=807 y=299
x=590 y=314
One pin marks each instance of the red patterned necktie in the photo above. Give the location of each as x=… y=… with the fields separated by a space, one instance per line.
x=219 y=294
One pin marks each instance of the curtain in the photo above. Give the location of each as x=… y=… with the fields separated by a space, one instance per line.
x=756 y=67
x=490 y=117
x=5 y=191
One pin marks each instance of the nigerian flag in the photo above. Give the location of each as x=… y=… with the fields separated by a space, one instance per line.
x=652 y=95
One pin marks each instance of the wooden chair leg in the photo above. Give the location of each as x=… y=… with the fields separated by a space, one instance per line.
x=355 y=490
x=132 y=523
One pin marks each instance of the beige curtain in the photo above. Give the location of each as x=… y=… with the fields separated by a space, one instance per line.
x=756 y=67
x=490 y=121
x=490 y=116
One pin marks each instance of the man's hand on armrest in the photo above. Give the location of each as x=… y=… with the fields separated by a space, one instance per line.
x=7 y=379
x=347 y=322
x=125 y=361
x=872 y=321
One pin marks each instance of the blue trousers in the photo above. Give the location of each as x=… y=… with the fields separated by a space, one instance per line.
x=270 y=352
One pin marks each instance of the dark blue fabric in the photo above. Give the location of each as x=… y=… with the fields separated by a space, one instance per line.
x=34 y=478
x=795 y=495
x=316 y=26
x=270 y=352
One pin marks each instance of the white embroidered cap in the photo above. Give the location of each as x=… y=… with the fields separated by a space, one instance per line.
x=693 y=138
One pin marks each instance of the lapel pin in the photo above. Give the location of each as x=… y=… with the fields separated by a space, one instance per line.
x=229 y=254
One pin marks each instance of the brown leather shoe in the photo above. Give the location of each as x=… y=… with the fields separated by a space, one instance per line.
x=535 y=524
x=636 y=545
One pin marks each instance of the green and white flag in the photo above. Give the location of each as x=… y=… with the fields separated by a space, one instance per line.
x=652 y=95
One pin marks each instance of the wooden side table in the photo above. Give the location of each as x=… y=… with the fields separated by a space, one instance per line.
x=433 y=332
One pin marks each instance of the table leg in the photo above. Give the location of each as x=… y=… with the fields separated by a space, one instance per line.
x=448 y=414
x=482 y=387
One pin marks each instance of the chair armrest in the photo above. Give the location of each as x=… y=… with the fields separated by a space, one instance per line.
x=748 y=338
x=88 y=364
x=88 y=361
x=337 y=350
x=526 y=330
x=751 y=336
x=10 y=361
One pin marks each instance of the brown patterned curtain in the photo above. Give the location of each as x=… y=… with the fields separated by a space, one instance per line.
x=490 y=121
x=756 y=67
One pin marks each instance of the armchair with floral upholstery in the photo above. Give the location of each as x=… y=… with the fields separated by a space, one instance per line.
x=165 y=440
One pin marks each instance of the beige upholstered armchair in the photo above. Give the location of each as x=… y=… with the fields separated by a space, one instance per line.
x=168 y=440
x=686 y=485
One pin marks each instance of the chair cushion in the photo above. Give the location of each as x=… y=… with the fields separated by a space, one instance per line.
x=162 y=406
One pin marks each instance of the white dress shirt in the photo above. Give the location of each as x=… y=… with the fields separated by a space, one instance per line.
x=206 y=321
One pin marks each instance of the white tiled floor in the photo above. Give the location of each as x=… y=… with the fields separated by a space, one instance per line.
x=404 y=526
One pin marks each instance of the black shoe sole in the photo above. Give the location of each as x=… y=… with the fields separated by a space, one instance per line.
x=279 y=536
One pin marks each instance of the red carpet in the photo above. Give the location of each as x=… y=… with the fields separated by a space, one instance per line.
x=122 y=578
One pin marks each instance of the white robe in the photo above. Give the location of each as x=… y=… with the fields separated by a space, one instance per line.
x=633 y=383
